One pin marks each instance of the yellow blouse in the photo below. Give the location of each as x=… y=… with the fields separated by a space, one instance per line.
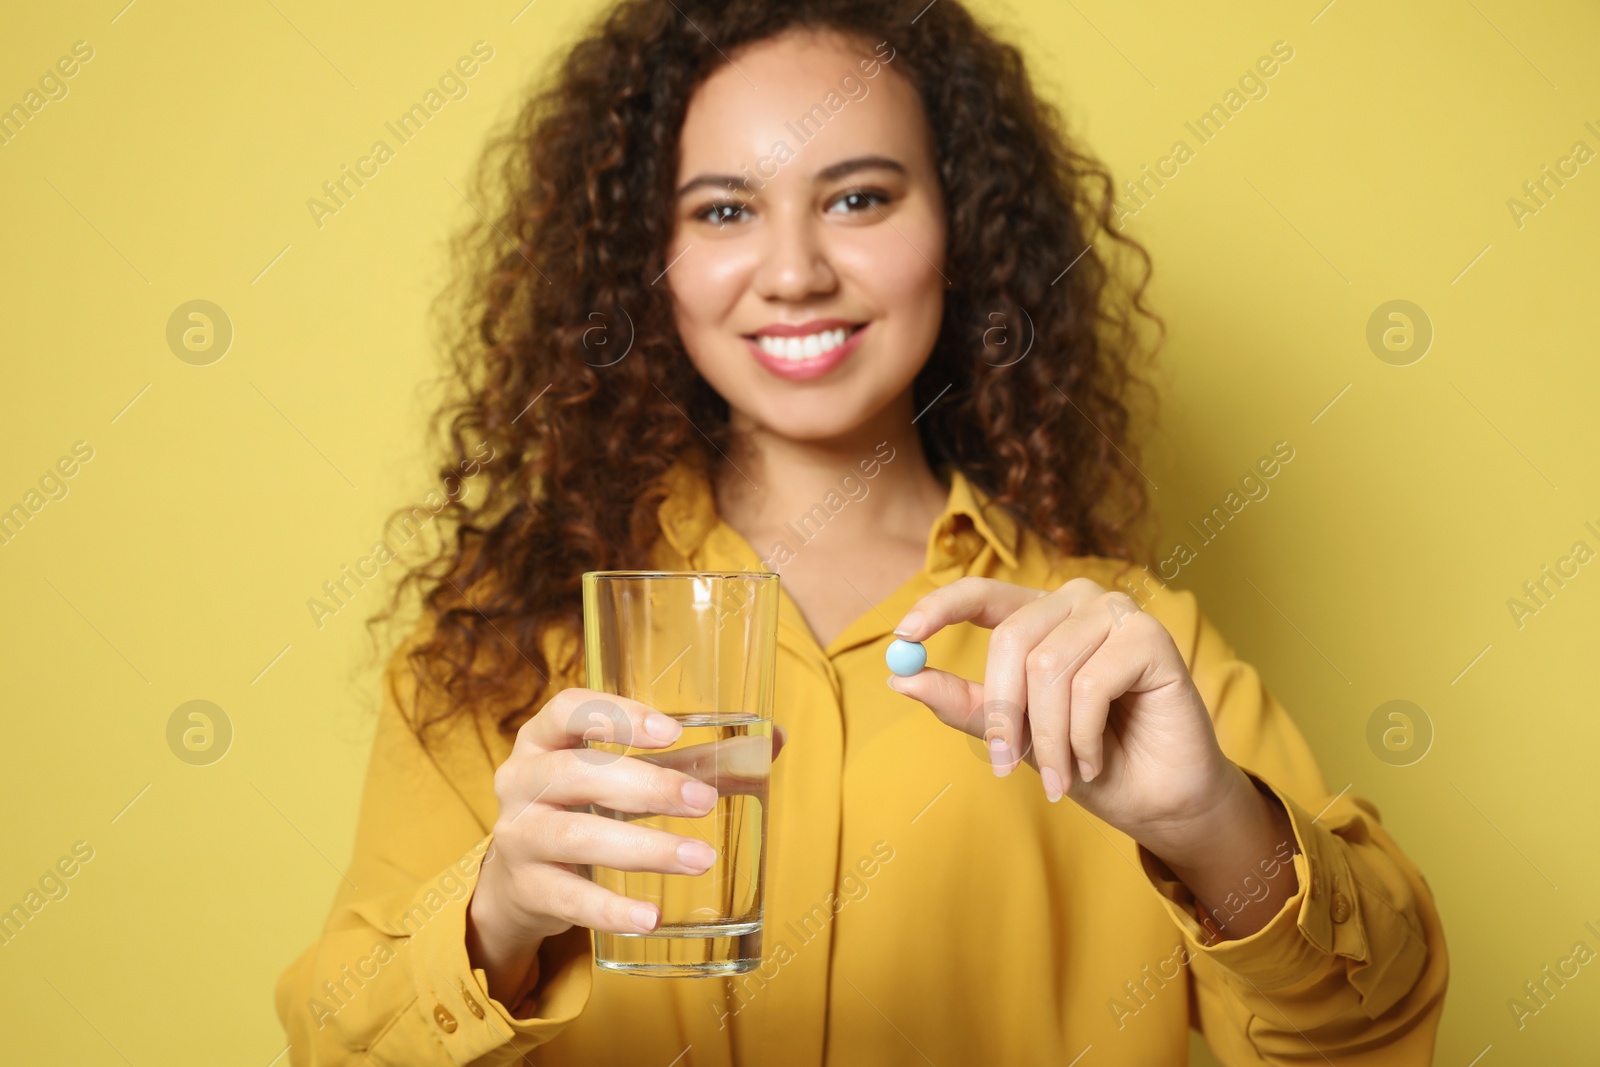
x=918 y=908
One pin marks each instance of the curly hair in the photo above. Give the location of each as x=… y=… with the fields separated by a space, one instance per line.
x=579 y=195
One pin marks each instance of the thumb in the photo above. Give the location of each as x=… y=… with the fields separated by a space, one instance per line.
x=952 y=698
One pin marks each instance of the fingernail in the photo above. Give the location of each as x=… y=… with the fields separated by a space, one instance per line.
x=910 y=624
x=696 y=854
x=892 y=680
x=662 y=727
x=1000 y=756
x=1052 y=784
x=1085 y=771
x=643 y=916
x=699 y=794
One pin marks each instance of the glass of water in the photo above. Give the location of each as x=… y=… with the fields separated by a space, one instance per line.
x=700 y=646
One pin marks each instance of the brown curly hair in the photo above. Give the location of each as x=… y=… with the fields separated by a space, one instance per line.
x=576 y=195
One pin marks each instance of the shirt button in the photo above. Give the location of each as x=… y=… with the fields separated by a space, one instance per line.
x=446 y=1021
x=472 y=1004
x=1340 y=908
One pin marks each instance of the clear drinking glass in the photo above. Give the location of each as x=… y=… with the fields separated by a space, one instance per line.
x=701 y=647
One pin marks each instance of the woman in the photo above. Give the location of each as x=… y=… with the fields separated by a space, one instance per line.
x=811 y=287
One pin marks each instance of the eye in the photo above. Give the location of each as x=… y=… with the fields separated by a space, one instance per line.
x=864 y=200
x=721 y=212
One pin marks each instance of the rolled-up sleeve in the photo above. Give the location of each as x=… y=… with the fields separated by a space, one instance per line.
x=1353 y=967
x=389 y=981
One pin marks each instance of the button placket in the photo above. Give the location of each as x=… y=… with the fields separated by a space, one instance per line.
x=947 y=550
x=472 y=1002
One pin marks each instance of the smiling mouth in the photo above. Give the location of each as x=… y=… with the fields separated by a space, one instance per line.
x=811 y=346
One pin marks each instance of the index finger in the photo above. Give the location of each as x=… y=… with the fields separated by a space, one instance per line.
x=984 y=601
x=574 y=717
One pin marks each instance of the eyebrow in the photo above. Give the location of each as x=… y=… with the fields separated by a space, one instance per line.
x=827 y=174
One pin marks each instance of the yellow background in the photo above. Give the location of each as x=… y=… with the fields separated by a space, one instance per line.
x=180 y=563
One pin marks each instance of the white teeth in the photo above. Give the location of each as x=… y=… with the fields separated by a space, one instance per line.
x=808 y=347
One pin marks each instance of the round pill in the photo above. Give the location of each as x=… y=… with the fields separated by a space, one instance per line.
x=906 y=658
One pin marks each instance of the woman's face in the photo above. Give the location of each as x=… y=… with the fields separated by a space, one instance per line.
x=809 y=236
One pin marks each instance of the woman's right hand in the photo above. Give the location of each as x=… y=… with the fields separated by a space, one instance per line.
x=531 y=885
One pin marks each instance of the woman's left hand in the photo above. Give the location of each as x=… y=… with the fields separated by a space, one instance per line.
x=1091 y=692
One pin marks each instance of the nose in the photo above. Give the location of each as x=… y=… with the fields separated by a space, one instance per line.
x=794 y=257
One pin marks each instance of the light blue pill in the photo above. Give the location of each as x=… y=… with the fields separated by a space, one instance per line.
x=906 y=658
